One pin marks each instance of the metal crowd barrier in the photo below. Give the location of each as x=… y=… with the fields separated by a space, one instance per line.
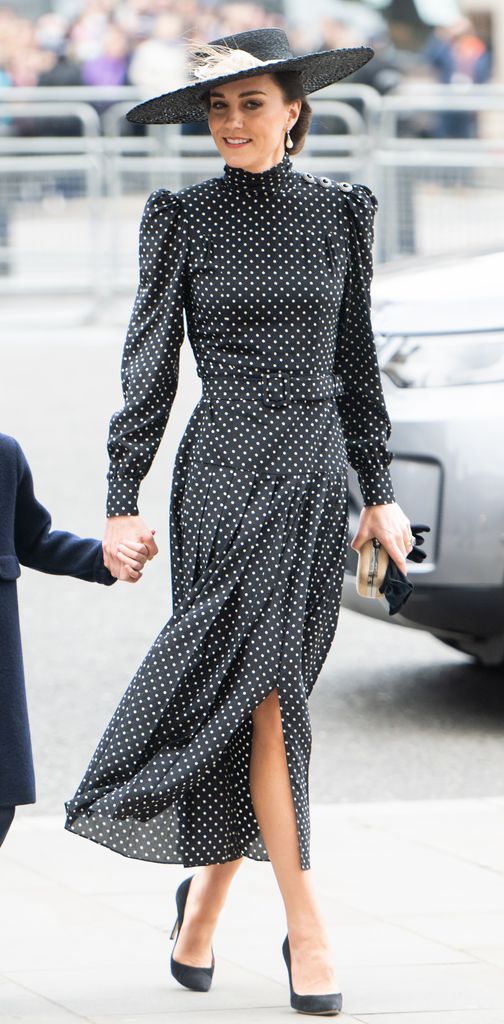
x=70 y=203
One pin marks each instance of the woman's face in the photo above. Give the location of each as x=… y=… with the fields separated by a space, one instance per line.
x=252 y=109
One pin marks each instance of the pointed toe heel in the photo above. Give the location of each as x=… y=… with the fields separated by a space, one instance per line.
x=197 y=978
x=327 y=1004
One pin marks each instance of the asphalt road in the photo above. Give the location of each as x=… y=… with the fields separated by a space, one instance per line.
x=395 y=714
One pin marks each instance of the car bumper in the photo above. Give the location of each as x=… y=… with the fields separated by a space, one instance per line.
x=464 y=611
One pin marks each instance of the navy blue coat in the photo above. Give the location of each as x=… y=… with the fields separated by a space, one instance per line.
x=26 y=537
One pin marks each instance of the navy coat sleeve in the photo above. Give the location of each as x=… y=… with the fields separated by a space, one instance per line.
x=52 y=551
x=365 y=420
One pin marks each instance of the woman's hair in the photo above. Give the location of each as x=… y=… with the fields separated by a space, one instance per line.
x=292 y=89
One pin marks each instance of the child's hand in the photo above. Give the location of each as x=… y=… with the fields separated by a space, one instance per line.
x=126 y=529
x=133 y=555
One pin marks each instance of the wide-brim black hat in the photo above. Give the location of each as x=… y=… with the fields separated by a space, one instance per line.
x=269 y=51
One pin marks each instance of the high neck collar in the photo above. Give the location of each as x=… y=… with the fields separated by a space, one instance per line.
x=279 y=178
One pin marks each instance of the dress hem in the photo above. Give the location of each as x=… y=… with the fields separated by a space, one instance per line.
x=161 y=860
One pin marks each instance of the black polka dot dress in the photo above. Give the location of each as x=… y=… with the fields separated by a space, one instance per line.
x=273 y=271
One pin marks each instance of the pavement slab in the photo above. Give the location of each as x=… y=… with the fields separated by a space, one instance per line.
x=415 y=917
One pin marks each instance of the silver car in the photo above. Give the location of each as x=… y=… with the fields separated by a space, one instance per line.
x=439 y=332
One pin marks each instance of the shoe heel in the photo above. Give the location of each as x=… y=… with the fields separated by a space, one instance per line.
x=197 y=978
x=327 y=1004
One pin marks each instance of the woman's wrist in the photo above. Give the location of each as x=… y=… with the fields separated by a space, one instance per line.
x=376 y=485
x=379 y=504
x=122 y=497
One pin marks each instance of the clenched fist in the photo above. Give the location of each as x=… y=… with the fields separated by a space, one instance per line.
x=128 y=543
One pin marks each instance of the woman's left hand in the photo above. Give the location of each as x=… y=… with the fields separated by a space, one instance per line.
x=391 y=527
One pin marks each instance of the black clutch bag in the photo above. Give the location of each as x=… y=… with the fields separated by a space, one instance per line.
x=378 y=575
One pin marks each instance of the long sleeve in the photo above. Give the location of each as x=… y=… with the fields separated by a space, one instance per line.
x=150 y=361
x=365 y=421
x=53 y=551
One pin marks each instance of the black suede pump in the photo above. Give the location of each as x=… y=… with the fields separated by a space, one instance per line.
x=329 y=1003
x=197 y=978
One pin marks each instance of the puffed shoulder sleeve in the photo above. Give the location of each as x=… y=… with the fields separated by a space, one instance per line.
x=365 y=421
x=150 y=360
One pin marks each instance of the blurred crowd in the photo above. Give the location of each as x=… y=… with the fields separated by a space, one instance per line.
x=142 y=42
x=105 y=42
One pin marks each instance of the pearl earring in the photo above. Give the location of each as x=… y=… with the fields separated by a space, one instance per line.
x=288 y=142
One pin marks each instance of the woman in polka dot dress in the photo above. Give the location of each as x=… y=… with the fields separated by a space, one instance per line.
x=206 y=759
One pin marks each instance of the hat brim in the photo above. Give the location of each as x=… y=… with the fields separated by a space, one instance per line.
x=316 y=70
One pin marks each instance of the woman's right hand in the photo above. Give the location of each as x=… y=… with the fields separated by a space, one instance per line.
x=118 y=529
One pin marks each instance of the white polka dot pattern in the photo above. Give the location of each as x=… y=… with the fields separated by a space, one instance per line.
x=273 y=272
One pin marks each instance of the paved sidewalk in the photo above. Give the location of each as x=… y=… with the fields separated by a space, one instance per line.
x=413 y=894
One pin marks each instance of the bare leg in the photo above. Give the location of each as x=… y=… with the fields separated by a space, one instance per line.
x=205 y=900
x=311 y=959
